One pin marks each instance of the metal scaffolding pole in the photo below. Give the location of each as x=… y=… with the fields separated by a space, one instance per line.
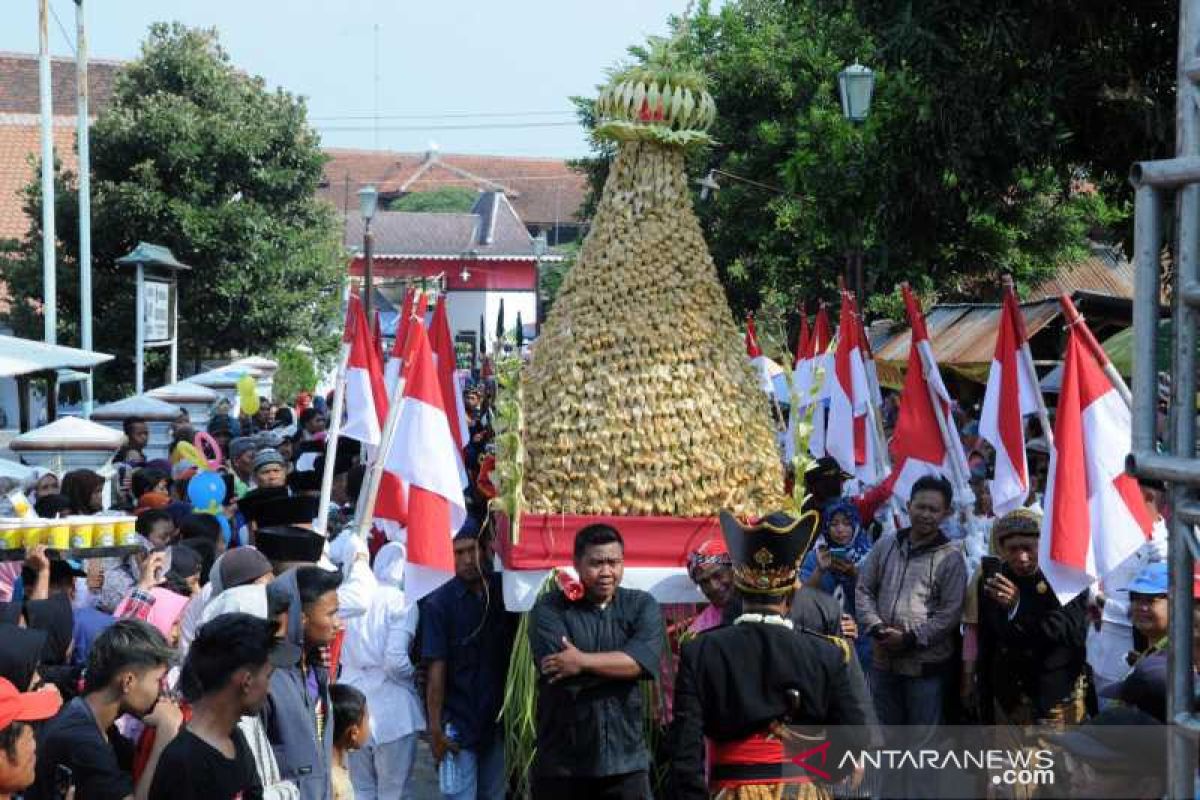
x=1175 y=462
x=85 y=197
x=46 y=102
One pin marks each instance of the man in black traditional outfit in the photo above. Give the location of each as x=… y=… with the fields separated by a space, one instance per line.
x=762 y=691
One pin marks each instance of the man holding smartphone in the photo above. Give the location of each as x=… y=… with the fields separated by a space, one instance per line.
x=1031 y=650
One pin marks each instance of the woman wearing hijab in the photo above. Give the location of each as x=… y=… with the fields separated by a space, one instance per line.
x=20 y=655
x=832 y=564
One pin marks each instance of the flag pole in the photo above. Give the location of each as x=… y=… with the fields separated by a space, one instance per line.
x=331 y=438
x=1027 y=363
x=366 y=512
x=1075 y=320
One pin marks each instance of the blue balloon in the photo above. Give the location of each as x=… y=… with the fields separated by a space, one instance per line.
x=205 y=490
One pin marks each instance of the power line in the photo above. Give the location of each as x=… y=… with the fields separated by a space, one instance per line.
x=447 y=115
x=70 y=42
x=480 y=126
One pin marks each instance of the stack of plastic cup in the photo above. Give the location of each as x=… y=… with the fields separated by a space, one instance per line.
x=34 y=531
x=104 y=531
x=82 y=530
x=126 y=530
x=10 y=533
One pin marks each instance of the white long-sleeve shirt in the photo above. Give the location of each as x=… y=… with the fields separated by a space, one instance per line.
x=375 y=661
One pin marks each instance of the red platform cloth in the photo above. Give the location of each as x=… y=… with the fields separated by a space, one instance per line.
x=548 y=540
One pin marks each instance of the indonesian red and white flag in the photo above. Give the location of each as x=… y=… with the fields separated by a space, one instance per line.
x=801 y=385
x=442 y=346
x=1095 y=517
x=846 y=436
x=918 y=446
x=820 y=365
x=758 y=361
x=367 y=408
x=366 y=396
x=391 y=372
x=423 y=454
x=1011 y=396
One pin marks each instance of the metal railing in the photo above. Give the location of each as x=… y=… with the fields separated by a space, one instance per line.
x=1175 y=462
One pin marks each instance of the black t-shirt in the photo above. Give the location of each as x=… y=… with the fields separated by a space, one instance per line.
x=191 y=769
x=100 y=770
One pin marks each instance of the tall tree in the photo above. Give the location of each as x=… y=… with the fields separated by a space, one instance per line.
x=983 y=152
x=196 y=155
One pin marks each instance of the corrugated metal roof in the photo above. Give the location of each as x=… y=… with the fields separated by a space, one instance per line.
x=963 y=338
x=27 y=356
x=1104 y=272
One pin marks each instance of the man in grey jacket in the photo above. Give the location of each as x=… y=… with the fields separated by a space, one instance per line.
x=298 y=715
x=909 y=599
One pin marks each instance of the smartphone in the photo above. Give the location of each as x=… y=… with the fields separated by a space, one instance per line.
x=990 y=565
x=840 y=553
x=64 y=780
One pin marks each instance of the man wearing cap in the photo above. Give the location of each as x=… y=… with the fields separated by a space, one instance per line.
x=1032 y=649
x=17 y=745
x=227 y=675
x=743 y=685
x=241 y=463
x=270 y=470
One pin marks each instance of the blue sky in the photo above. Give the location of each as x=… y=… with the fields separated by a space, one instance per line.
x=440 y=61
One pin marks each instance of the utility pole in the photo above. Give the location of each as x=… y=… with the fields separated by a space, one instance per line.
x=49 y=279
x=85 y=198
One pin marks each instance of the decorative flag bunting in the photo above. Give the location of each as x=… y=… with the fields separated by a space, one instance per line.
x=1095 y=517
x=1011 y=396
x=919 y=442
x=423 y=454
x=757 y=360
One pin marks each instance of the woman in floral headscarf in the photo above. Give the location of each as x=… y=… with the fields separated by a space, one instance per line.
x=832 y=564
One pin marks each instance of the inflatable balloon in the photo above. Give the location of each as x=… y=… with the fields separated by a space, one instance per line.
x=248 y=395
x=186 y=451
x=206 y=490
x=205 y=444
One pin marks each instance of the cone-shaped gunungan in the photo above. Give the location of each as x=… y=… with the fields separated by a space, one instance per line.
x=638 y=398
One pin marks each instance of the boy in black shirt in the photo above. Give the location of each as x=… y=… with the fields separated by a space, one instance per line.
x=227 y=675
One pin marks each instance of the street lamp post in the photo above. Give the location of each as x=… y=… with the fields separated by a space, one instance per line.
x=368 y=200
x=856 y=86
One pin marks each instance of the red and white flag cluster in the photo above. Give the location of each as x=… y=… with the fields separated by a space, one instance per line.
x=758 y=361
x=423 y=476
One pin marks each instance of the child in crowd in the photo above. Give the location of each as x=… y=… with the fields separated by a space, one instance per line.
x=351 y=729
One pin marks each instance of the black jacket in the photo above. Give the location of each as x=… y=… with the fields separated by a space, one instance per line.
x=733 y=683
x=1039 y=653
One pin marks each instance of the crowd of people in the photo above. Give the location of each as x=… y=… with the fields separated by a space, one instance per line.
x=243 y=654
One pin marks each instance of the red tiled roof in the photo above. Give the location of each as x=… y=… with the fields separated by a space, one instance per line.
x=20 y=143
x=19 y=83
x=542 y=190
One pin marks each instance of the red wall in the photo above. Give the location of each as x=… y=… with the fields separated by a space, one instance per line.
x=495 y=275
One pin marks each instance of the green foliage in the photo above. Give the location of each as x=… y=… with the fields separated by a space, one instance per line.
x=296 y=374
x=998 y=140
x=198 y=156
x=552 y=273
x=442 y=200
